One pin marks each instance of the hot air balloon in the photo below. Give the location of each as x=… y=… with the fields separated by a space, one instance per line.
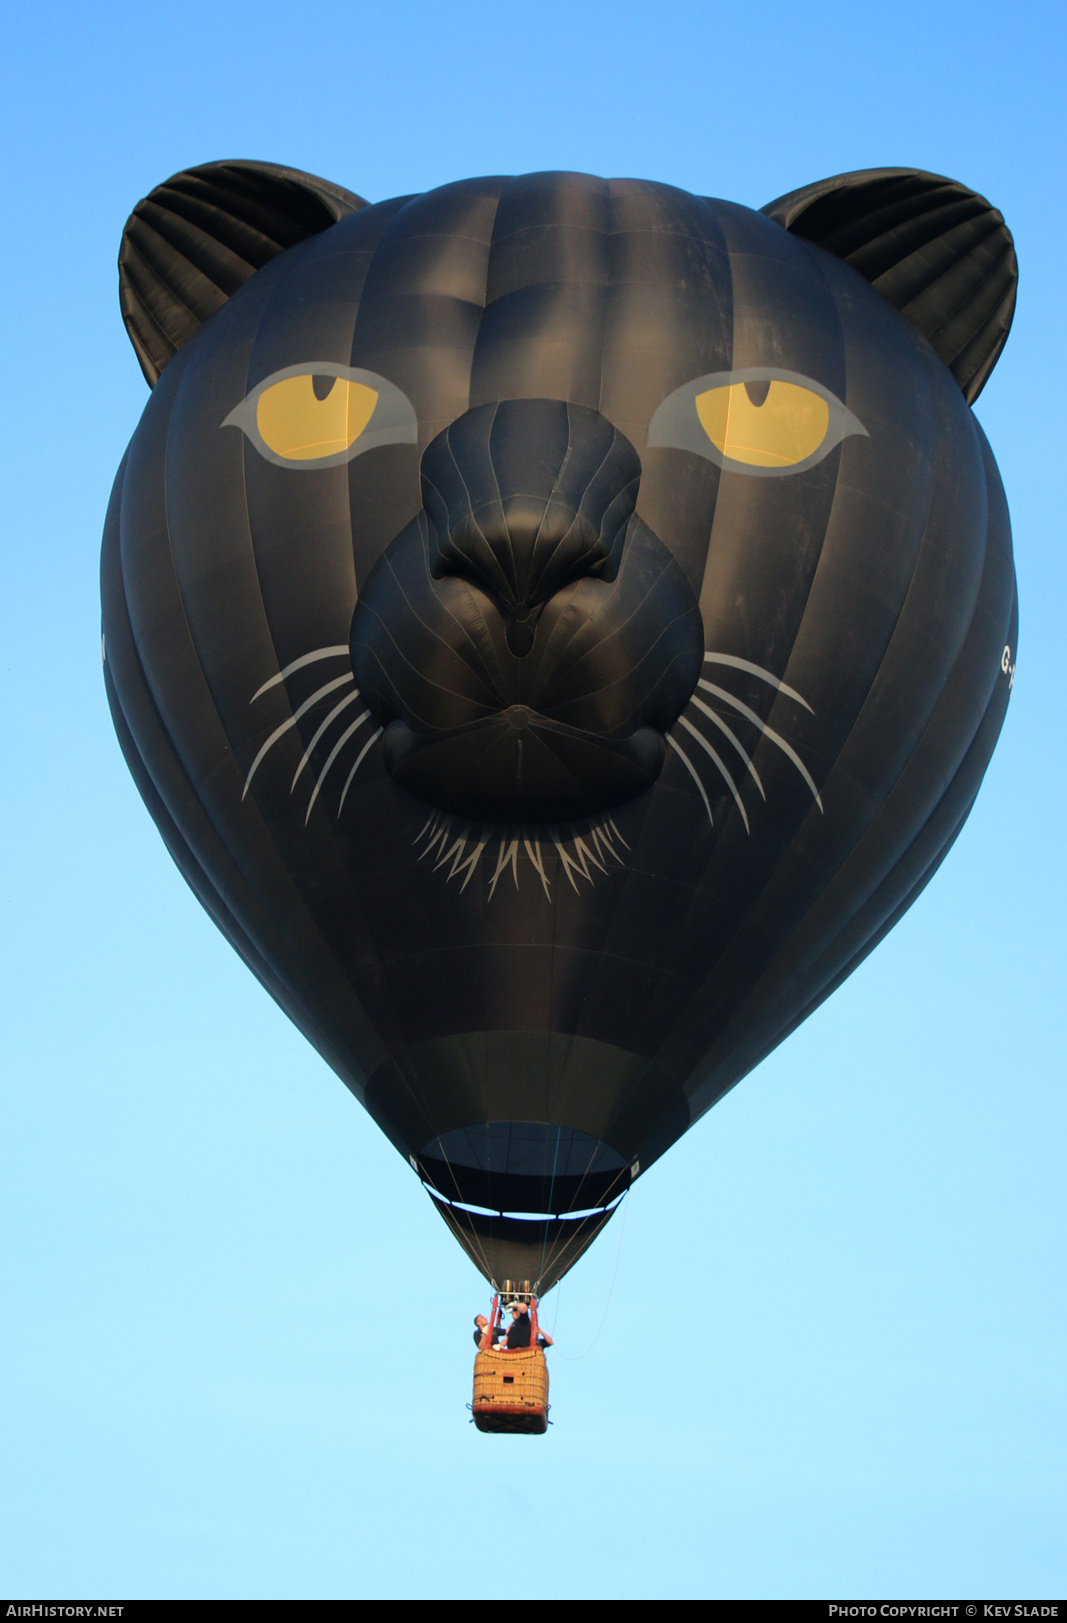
x=558 y=626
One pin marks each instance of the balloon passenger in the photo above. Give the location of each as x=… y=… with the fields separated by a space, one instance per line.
x=520 y=1328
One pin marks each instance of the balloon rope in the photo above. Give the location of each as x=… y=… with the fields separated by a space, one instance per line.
x=486 y=1269
x=606 y=1196
x=551 y=1192
x=607 y=1304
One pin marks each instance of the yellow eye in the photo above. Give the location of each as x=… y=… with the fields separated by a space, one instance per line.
x=759 y=420
x=319 y=414
x=302 y=422
x=766 y=424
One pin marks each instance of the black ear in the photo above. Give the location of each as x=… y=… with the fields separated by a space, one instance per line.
x=939 y=253
x=196 y=239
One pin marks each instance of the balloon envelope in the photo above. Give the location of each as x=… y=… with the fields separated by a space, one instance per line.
x=558 y=626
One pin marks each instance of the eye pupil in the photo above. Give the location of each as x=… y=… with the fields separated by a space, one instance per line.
x=757 y=392
x=307 y=417
x=787 y=425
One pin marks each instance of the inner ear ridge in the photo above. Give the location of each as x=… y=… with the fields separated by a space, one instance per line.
x=181 y=257
x=254 y=222
x=983 y=273
x=957 y=264
x=901 y=241
x=198 y=237
x=157 y=319
x=186 y=219
x=144 y=330
x=985 y=307
x=913 y=217
x=908 y=233
x=976 y=359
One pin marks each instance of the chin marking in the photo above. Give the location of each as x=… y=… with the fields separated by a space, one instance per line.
x=458 y=848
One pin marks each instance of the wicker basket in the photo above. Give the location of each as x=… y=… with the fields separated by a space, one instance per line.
x=511 y=1391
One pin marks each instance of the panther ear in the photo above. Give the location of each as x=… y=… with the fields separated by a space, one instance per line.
x=938 y=252
x=196 y=239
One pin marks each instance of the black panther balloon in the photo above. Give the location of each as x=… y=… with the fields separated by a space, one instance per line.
x=558 y=627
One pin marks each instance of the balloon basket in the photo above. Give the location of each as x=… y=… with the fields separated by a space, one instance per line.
x=511 y=1391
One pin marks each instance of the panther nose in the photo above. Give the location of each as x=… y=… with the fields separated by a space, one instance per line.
x=528 y=531
x=525 y=496
x=520 y=630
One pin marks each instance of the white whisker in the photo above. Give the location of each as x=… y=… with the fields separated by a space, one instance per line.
x=350 y=698
x=757 y=670
x=455 y=850
x=510 y=854
x=580 y=864
x=439 y=828
x=534 y=854
x=581 y=851
x=769 y=732
x=615 y=831
x=470 y=864
x=439 y=838
x=566 y=861
x=678 y=750
x=584 y=851
x=732 y=736
x=279 y=732
x=331 y=758
x=355 y=769
x=702 y=741
x=435 y=831
x=432 y=829
x=333 y=652
x=600 y=838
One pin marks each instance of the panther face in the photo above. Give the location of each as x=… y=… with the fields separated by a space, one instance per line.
x=519 y=408
x=637 y=542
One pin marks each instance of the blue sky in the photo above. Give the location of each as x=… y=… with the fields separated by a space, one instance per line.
x=237 y=1354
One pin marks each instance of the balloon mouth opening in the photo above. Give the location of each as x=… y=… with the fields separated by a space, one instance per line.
x=524 y=1199
x=524 y=1170
x=520 y=767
